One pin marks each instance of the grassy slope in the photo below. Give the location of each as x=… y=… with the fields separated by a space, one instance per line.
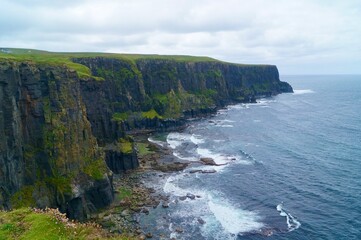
x=55 y=58
x=64 y=58
x=49 y=224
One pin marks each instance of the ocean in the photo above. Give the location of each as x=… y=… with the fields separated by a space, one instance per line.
x=292 y=168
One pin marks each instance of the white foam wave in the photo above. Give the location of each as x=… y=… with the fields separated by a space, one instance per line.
x=218 y=158
x=292 y=222
x=160 y=143
x=175 y=139
x=178 y=155
x=237 y=106
x=222 y=111
x=265 y=101
x=226 y=126
x=196 y=139
x=234 y=220
x=226 y=121
x=171 y=186
x=302 y=91
x=221 y=158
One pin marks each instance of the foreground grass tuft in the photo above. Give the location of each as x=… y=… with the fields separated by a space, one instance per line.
x=48 y=224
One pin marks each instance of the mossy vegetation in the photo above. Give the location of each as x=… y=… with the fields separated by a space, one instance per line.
x=151 y=114
x=123 y=193
x=120 y=117
x=143 y=149
x=125 y=145
x=96 y=168
x=49 y=224
x=23 y=197
x=61 y=183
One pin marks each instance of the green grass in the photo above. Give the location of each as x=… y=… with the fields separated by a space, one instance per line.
x=124 y=193
x=143 y=149
x=125 y=146
x=119 y=117
x=26 y=223
x=65 y=58
x=151 y=114
x=96 y=169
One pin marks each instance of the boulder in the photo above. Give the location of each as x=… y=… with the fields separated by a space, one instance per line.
x=165 y=205
x=191 y=196
x=208 y=161
x=201 y=221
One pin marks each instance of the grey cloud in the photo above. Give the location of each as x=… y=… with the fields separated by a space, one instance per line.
x=278 y=32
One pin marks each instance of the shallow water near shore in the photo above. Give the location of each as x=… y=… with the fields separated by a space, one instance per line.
x=293 y=168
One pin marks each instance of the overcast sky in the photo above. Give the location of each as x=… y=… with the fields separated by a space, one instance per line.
x=299 y=36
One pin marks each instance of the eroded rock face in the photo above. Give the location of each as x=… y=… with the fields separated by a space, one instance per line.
x=46 y=141
x=174 y=89
x=120 y=162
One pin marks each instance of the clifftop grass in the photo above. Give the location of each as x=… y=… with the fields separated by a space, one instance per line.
x=65 y=58
x=58 y=58
x=47 y=224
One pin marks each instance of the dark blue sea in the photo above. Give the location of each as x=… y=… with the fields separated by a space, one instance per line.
x=293 y=168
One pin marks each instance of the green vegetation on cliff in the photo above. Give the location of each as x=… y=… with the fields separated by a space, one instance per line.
x=57 y=58
x=151 y=114
x=125 y=145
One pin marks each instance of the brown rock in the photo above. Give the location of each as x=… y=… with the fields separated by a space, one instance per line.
x=179 y=230
x=172 y=167
x=208 y=161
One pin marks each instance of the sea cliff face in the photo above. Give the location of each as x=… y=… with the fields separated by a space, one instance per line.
x=48 y=154
x=62 y=131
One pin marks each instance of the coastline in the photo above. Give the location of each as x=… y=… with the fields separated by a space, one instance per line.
x=137 y=191
x=142 y=190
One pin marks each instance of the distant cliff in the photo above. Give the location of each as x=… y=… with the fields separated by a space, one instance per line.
x=64 y=118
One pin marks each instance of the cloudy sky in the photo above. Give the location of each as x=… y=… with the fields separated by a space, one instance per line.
x=299 y=36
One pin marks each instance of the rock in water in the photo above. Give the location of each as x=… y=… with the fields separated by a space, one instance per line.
x=179 y=230
x=165 y=205
x=208 y=161
x=201 y=221
x=182 y=198
x=191 y=196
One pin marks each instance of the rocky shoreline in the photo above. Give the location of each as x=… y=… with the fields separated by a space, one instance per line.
x=134 y=198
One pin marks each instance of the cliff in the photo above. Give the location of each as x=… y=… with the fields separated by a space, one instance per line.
x=48 y=154
x=64 y=118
